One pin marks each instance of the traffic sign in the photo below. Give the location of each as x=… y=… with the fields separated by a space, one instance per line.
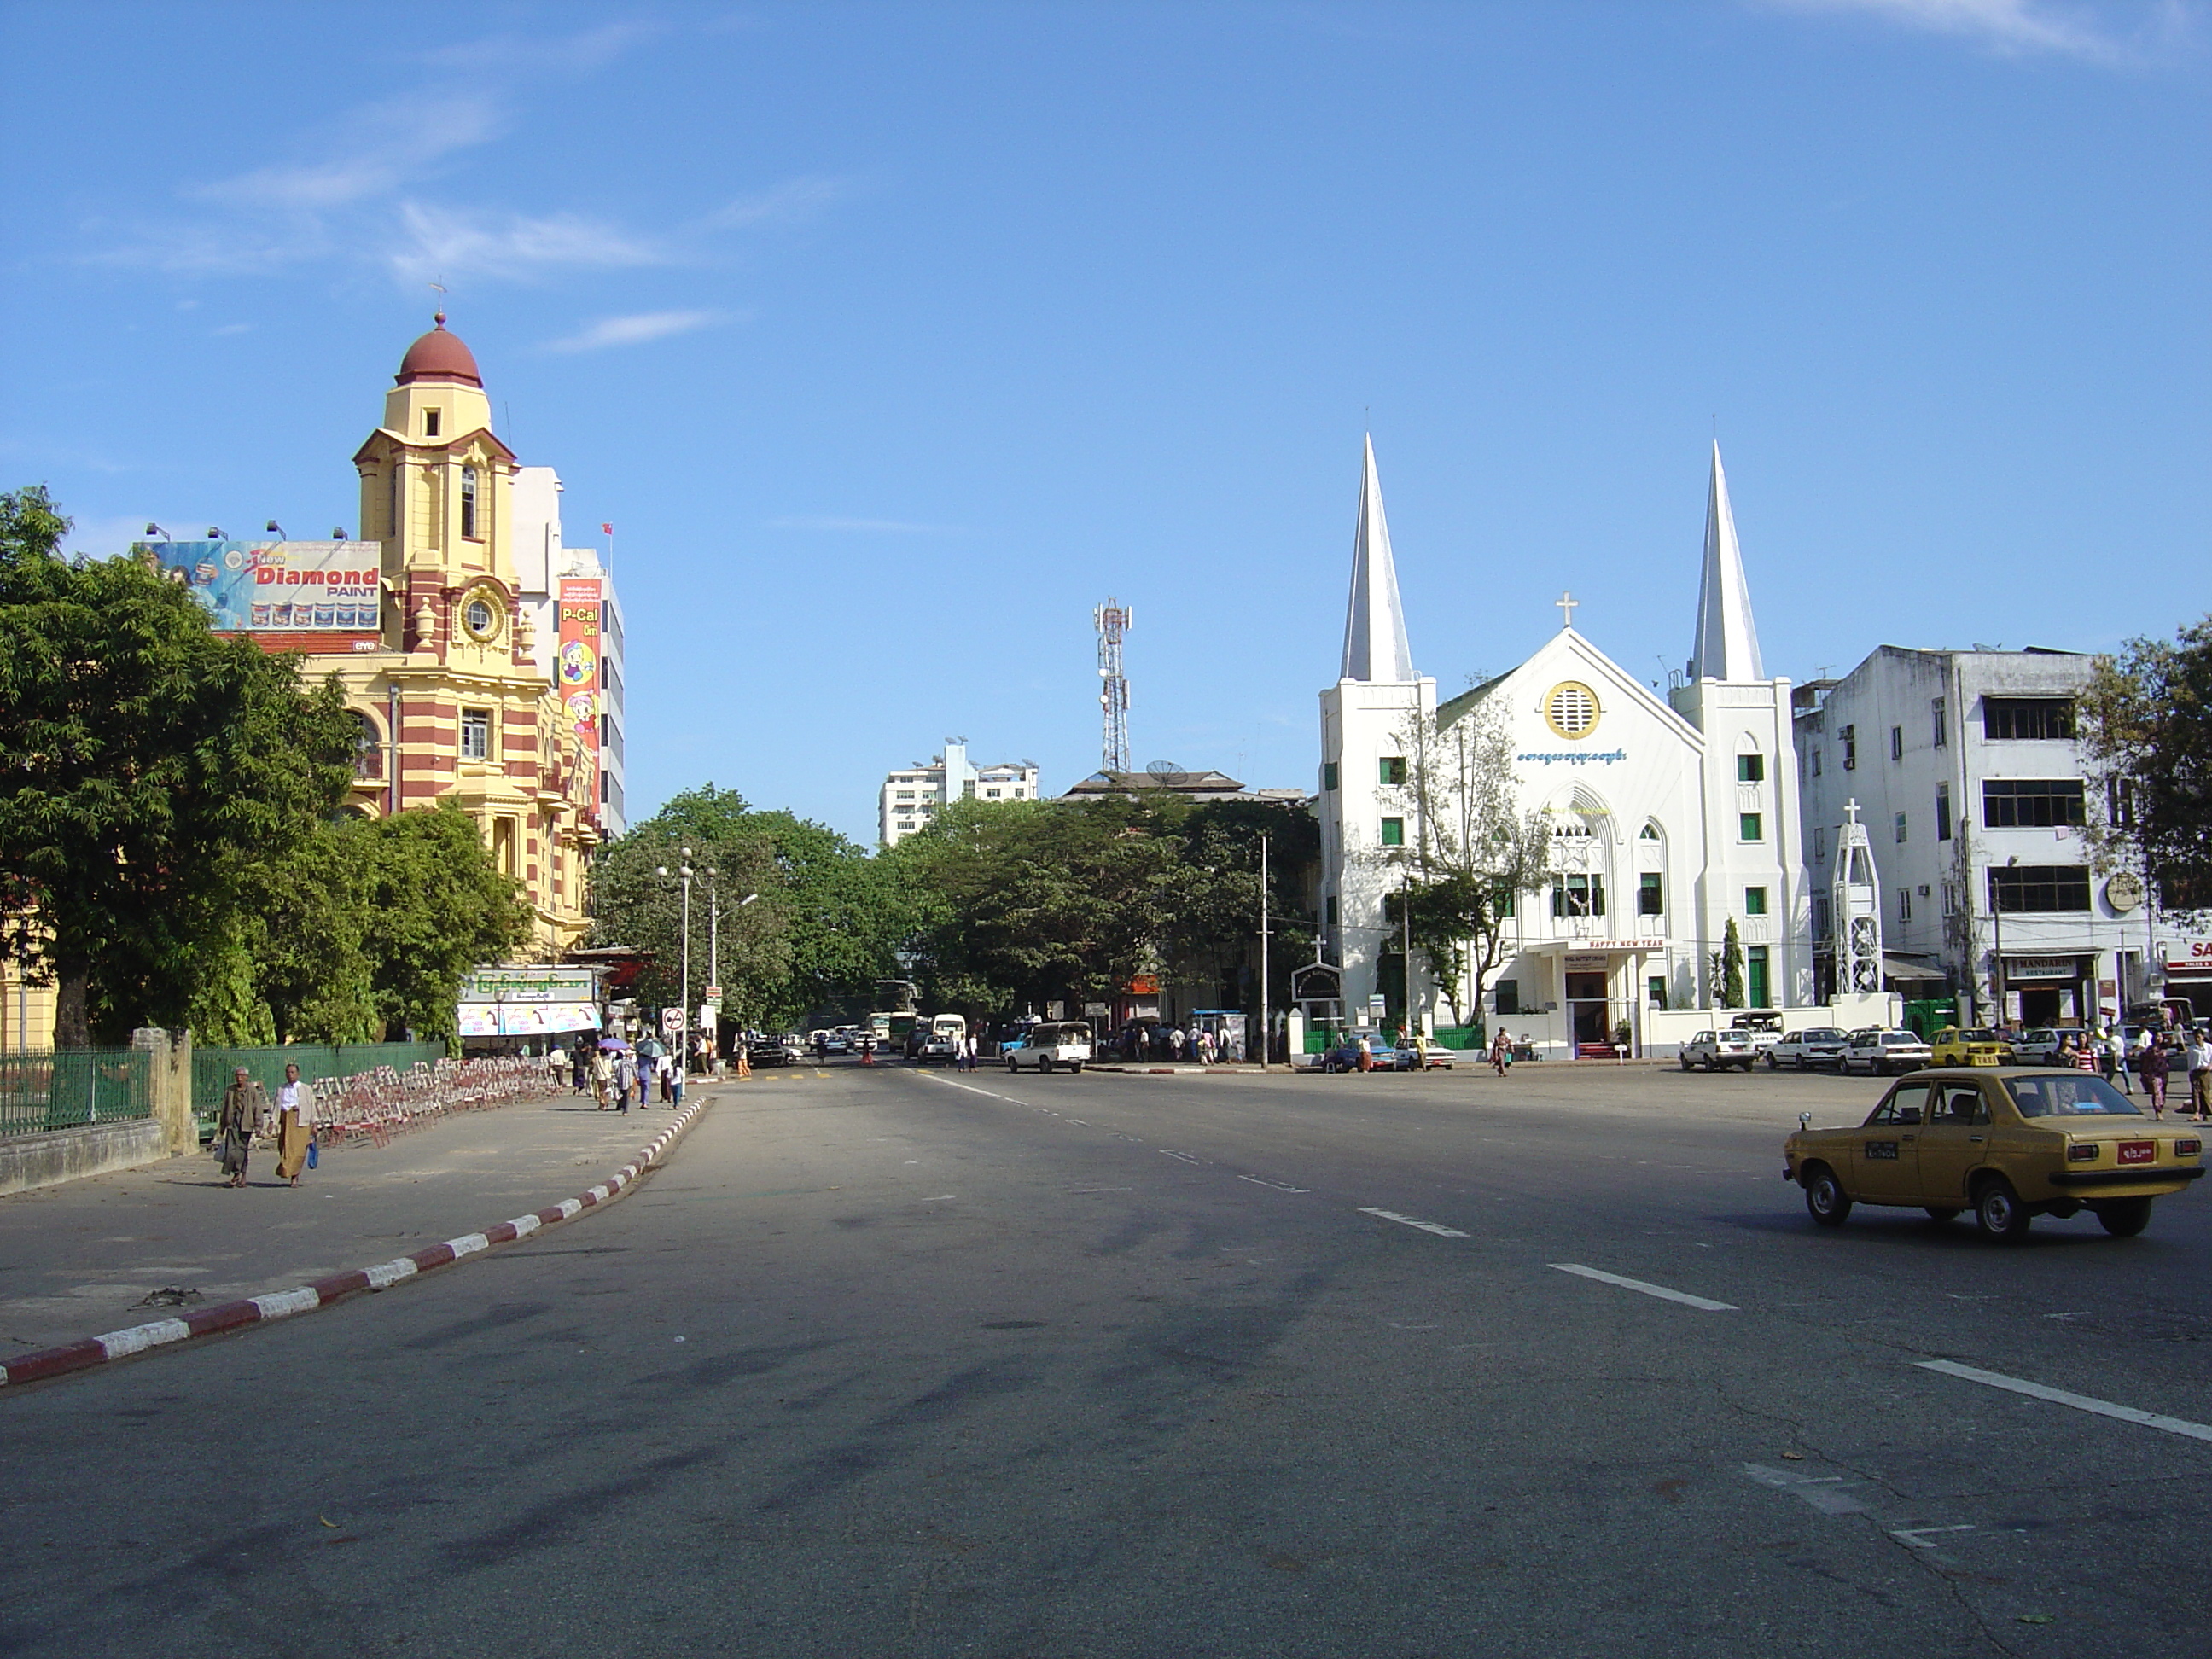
x=714 y=994
x=672 y=1022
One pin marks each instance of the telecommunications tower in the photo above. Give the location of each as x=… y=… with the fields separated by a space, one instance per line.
x=1112 y=620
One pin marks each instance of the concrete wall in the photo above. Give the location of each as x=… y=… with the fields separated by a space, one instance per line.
x=46 y=1160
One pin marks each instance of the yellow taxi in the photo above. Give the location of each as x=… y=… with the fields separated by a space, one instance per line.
x=2009 y=1144
x=1975 y=1047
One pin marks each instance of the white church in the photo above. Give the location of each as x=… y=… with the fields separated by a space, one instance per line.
x=1668 y=817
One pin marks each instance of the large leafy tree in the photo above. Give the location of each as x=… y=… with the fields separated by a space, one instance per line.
x=435 y=905
x=824 y=921
x=1474 y=851
x=2147 y=727
x=149 y=770
x=1021 y=903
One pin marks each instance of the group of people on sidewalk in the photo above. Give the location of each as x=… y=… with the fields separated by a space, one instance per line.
x=246 y=1112
x=2153 y=1058
x=609 y=1076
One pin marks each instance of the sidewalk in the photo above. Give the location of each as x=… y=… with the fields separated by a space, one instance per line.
x=83 y=1257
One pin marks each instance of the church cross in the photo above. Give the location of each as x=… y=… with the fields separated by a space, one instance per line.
x=1851 y=810
x=1568 y=604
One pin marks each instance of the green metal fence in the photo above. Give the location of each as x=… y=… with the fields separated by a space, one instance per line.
x=69 y=1088
x=212 y=1069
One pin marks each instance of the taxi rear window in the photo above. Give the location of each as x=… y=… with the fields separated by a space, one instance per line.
x=2068 y=1096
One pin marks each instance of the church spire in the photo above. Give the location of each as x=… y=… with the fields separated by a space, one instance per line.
x=1728 y=639
x=1375 y=645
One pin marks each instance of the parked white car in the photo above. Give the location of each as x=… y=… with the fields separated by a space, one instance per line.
x=1878 y=1053
x=1063 y=1047
x=1716 y=1049
x=1808 y=1050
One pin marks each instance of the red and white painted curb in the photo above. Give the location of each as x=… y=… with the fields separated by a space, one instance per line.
x=283 y=1304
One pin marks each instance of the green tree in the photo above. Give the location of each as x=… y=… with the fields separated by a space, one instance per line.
x=2146 y=730
x=827 y=923
x=151 y=771
x=1474 y=850
x=435 y=905
x=1021 y=903
x=1726 y=966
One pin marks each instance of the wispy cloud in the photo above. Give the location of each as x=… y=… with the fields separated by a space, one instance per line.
x=795 y=198
x=376 y=150
x=361 y=188
x=236 y=328
x=2020 y=27
x=879 y=527
x=435 y=243
x=636 y=329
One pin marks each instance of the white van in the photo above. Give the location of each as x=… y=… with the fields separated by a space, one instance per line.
x=1064 y=1046
x=942 y=1040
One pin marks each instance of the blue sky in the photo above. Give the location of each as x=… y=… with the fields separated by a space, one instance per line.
x=893 y=339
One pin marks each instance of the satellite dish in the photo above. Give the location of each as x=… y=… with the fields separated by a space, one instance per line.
x=1164 y=769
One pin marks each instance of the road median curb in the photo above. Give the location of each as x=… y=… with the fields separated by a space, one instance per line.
x=323 y=1293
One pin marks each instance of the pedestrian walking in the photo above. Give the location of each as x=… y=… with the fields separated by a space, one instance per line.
x=1501 y=1052
x=603 y=1080
x=245 y=1104
x=579 y=1067
x=1205 y=1048
x=1366 y=1054
x=2200 y=1075
x=295 y=1125
x=2151 y=1067
x=625 y=1080
x=2108 y=1055
x=664 y=1070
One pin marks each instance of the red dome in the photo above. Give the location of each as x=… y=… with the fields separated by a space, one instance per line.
x=439 y=356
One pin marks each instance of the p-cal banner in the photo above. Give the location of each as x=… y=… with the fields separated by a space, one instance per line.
x=577 y=669
x=278 y=588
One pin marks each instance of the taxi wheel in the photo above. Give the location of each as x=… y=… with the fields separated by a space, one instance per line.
x=1999 y=1213
x=1825 y=1200
x=2123 y=1217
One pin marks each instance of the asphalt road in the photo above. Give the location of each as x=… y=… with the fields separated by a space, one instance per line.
x=892 y=1362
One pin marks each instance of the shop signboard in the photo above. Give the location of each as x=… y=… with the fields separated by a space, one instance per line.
x=278 y=588
x=577 y=671
x=2187 y=956
x=529 y=1001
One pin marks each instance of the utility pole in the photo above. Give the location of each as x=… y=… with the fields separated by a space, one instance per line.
x=1406 y=918
x=1267 y=1011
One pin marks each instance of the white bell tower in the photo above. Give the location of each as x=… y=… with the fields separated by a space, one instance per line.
x=1857 y=907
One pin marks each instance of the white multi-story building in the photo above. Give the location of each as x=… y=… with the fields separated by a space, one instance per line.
x=541 y=562
x=1965 y=771
x=911 y=798
x=1668 y=817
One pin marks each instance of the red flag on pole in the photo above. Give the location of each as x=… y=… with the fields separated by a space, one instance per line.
x=607 y=528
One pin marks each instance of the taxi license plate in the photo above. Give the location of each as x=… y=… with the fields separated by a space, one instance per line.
x=2139 y=1151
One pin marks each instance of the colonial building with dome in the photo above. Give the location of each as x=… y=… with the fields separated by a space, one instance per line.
x=455 y=690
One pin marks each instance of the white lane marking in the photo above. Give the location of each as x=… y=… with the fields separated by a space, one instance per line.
x=1102 y=1189
x=1169 y=1152
x=973 y=1089
x=1079 y=1121
x=2081 y=1402
x=1638 y=1285
x=1818 y=1490
x=1277 y=1185
x=1408 y=1221
x=1917 y=1536
x=939 y=1199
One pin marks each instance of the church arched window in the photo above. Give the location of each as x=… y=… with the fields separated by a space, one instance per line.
x=367 y=749
x=469 y=502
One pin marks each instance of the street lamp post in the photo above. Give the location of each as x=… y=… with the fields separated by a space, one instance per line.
x=1266 y=1010
x=1997 y=964
x=683 y=984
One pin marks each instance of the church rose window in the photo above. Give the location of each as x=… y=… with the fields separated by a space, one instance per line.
x=1571 y=709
